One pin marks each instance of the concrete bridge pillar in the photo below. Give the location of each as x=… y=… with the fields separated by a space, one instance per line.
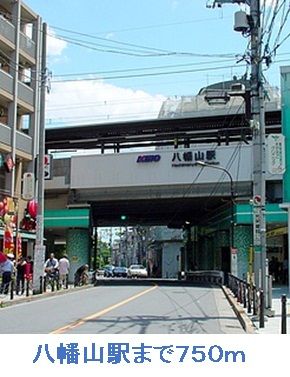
x=78 y=244
x=243 y=241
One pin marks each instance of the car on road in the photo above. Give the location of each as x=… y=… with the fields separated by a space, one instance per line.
x=108 y=271
x=120 y=272
x=137 y=271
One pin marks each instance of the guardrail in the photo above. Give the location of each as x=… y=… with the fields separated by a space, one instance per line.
x=12 y=290
x=205 y=276
x=247 y=294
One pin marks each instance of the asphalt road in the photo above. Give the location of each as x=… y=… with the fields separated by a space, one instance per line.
x=125 y=310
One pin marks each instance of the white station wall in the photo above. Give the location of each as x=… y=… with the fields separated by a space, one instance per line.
x=123 y=170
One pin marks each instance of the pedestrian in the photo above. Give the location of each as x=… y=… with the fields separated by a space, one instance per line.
x=3 y=257
x=28 y=269
x=7 y=270
x=63 y=268
x=20 y=276
x=51 y=264
x=82 y=275
x=51 y=272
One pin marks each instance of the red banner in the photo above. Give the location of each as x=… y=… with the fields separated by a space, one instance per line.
x=8 y=244
x=19 y=246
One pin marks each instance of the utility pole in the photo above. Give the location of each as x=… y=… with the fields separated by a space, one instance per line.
x=259 y=149
x=253 y=26
x=39 y=251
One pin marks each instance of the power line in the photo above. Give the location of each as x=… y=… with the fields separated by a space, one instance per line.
x=229 y=164
x=93 y=117
x=110 y=40
x=104 y=103
x=152 y=74
x=109 y=49
x=284 y=40
x=90 y=45
x=283 y=22
x=140 y=69
x=155 y=26
x=162 y=73
x=270 y=29
x=107 y=103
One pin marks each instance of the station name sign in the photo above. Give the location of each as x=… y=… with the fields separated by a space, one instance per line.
x=148 y=158
x=189 y=158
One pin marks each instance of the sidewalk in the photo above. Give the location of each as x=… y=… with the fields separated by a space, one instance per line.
x=18 y=299
x=273 y=324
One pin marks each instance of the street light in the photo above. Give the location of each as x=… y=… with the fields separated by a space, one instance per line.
x=204 y=164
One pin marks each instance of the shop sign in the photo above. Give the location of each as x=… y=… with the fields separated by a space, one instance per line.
x=277 y=232
x=276 y=153
x=28 y=186
x=234 y=261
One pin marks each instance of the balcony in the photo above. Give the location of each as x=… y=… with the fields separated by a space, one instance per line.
x=7 y=31
x=25 y=93
x=27 y=48
x=23 y=141
x=26 y=44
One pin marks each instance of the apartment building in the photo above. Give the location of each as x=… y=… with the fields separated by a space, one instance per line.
x=20 y=69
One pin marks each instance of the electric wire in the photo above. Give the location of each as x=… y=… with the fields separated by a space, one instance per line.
x=99 y=117
x=229 y=162
x=152 y=26
x=139 y=69
x=112 y=40
x=109 y=49
x=153 y=74
x=266 y=18
x=283 y=22
x=189 y=188
x=92 y=46
x=276 y=11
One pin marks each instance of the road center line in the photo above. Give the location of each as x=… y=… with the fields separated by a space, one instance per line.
x=81 y=321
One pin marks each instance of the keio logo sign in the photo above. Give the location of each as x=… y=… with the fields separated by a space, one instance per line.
x=149 y=158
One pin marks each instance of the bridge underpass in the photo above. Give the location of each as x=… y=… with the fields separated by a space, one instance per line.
x=171 y=212
x=150 y=189
x=122 y=192
x=115 y=190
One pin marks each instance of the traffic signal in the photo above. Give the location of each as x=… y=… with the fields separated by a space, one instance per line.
x=123 y=217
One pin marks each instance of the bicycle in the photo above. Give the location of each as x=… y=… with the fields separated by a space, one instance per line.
x=51 y=278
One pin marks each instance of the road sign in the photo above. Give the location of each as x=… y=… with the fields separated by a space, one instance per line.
x=256 y=222
x=47 y=166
